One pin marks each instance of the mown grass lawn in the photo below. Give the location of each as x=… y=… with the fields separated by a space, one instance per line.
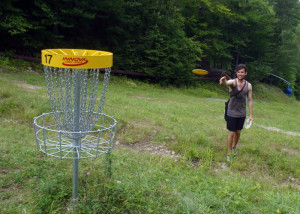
x=169 y=156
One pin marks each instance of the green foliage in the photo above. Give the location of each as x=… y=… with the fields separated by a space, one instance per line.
x=159 y=48
x=52 y=192
x=15 y=20
x=287 y=57
x=5 y=64
x=274 y=95
x=165 y=39
x=297 y=82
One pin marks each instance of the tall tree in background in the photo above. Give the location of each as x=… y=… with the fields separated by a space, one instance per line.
x=205 y=21
x=297 y=82
x=258 y=33
x=156 y=43
x=286 y=63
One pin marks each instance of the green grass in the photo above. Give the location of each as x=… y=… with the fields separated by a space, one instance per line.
x=263 y=178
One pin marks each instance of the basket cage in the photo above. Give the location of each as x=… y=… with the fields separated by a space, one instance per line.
x=76 y=128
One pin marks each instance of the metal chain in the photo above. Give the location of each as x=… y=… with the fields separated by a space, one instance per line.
x=62 y=97
x=93 y=93
x=103 y=95
x=61 y=84
x=69 y=109
x=83 y=98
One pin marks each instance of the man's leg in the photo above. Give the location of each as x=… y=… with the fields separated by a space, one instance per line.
x=231 y=126
x=230 y=141
x=237 y=135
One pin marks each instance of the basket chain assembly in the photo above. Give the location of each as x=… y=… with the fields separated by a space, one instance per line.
x=63 y=96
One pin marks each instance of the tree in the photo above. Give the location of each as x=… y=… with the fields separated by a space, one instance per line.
x=286 y=60
x=157 y=44
x=14 y=23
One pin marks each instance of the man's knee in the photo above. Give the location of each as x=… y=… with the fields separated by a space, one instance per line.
x=238 y=132
x=231 y=134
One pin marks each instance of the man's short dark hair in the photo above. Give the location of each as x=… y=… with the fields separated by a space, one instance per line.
x=240 y=66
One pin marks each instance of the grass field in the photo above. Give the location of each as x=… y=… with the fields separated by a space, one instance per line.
x=169 y=155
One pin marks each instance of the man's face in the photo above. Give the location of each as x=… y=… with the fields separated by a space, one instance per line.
x=241 y=74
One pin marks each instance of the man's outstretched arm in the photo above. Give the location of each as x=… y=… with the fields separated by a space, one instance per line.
x=229 y=84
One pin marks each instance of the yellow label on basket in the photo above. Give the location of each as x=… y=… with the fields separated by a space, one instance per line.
x=77 y=58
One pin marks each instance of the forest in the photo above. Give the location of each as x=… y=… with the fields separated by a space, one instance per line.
x=164 y=38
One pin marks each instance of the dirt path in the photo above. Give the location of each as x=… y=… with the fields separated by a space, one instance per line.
x=23 y=84
x=278 y=130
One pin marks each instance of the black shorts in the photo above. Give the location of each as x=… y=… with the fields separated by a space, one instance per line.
x=235 y=123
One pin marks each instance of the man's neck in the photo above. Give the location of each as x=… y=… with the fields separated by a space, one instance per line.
x=240 y=80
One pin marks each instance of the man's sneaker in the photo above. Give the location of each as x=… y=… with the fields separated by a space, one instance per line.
x=234 y=151
x=228 y=158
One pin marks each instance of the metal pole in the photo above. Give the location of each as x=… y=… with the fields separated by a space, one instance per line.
x=76 y=141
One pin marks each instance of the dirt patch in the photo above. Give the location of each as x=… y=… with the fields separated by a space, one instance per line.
x=148 y=147
x=3 y=172
x=144 y=132
x=289 y=182
x=291 y=151
x=220 y=166
x=264 y=175
x=28 y=86
x=11 y=188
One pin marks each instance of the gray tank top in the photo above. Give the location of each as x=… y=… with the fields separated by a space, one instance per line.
x=237 y=104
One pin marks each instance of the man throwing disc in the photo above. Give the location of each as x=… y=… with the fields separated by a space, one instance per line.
x=239 y=89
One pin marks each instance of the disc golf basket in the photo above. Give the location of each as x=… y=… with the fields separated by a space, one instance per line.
x=76 y=128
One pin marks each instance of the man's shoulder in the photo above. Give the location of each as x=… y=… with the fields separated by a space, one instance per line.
x=249 y=84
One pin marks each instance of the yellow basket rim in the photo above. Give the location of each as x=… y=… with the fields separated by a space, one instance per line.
x=77 y=58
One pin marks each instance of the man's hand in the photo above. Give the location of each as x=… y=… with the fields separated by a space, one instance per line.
x=222 y=81
x=251 y=119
